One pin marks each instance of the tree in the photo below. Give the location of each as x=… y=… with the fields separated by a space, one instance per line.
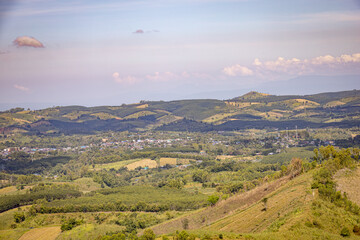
x=213 y=199
x=19 y=217
x=264 y=201
x=148 y=235
x=185 y=223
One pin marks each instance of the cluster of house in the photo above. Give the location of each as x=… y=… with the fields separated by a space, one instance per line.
x=145 y=143
x=7 y=151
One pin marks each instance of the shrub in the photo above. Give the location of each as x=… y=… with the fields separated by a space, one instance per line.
x=185 y=223
x=356 y=230
x=19 y=217
x=70 y=224
x=345 y=232
x=183 y=235
x=148 y=235
x=213 y=199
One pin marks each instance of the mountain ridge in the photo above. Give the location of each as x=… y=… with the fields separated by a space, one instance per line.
x=251 y=110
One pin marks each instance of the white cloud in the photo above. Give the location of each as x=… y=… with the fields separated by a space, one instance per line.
x=26 y=41
x=139 y=31
x=21 y=88
x=326 y=64
x=238 y=70
x=116 y=75
x=124 y=79
x=162 y=77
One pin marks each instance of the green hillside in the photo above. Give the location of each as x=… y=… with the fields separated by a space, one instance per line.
x=252 y=110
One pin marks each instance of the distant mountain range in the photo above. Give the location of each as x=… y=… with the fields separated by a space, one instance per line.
x=251 y=110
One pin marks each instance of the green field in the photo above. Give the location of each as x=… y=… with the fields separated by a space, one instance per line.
x=131 y=195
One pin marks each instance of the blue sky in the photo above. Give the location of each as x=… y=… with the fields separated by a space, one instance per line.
x=58 y=52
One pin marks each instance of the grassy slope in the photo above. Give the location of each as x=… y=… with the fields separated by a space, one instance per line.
x=281 y=202
x=80 y=119
x=46 y=233
x=294 y=211
x=225 y=208
x=349 y=181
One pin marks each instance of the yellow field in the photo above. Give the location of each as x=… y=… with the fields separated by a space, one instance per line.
x=183 y=161
x=8 y=190
x=86 y=184
x=224 y=157
x=170 y=161
x=334 y=104
x=217 y=117
x=139 y=114
x=11 y=234
x=271 y=114
x=143 y=106
x=75 y=115
x=142 y=163
x=21 y=121
x=46 y=233
x=240 y=104
x=105 y=116
x=115 y=165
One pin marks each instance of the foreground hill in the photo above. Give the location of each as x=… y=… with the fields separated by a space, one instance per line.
x=292 y=211
x=252 y=110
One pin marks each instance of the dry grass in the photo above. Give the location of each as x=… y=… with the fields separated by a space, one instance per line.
x=46 y=233
x=10 y=234
x=184 y=161
x=143 y=106
x=271 y=114
x=217 y=117
x=209 y=215
x=115 y=165
x=139 y=114
x=334 y=104
x=8 y=190
x=21 y=121
x=224 y=157
x=240 y=104
x=75 y=115
x=170 y=161
x=281 y=202
x=105 y=116
x=86 y=184
x=142 y=163
x=349 y=181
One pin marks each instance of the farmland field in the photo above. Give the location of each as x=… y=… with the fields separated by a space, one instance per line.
x=115 y=165
x=46 y=233
x=142 y=163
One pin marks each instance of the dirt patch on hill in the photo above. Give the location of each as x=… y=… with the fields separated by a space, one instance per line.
x=348 y=181
x=47 y=233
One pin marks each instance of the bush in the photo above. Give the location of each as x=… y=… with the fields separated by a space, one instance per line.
x=183 y=235
x=185 y=223
x=70 y=224
x=356 y=230
x=345 y=232
x=213 y=199
x=19 y=217
x=148 y=235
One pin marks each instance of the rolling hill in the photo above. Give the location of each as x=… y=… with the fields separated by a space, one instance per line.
x=252 y=110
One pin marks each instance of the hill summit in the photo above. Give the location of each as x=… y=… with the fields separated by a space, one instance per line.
x=252 y=95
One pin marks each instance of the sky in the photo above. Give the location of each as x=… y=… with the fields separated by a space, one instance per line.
x=91 y=53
